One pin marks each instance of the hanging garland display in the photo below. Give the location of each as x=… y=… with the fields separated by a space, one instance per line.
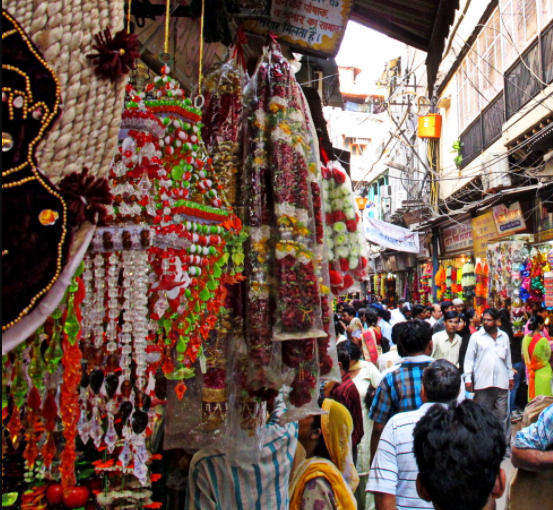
x=425 y=285
x=347 y=248
x=130 y=320
x=287 y=296
x=482 y=286
x=159 y=335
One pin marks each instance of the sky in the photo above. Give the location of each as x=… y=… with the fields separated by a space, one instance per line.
x=368 y=50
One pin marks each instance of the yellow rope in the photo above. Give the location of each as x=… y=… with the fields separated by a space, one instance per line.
x=167 y=23
x=200 y=74
x=129 y=18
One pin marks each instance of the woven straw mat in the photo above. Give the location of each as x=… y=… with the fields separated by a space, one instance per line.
x=86 y=133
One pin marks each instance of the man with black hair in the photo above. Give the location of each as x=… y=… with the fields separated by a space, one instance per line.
x=459 y=451
x=429 y=311
x=400 y=389
x=348 y=395
x=447 y=343
x=393 y=474
x=419 y=312
x=489 y=371
x=445 y=306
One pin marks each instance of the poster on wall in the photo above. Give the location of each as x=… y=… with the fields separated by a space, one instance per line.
x=457 y=237
x=314 y=25
x=509 y=220
x=484 y=230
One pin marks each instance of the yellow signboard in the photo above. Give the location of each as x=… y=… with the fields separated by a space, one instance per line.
x=484 y=230
x=314 y=25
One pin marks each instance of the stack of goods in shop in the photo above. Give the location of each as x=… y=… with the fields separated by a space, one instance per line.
x=425 y=285
x=440 y=280
x=347 y=248
x=467 y=290
x=548 y=278
x=146 y=308
x=456 y=278
x=288 y=301
x=505 y=259
x=482 y=286
x=415 y=296
x=377 y=286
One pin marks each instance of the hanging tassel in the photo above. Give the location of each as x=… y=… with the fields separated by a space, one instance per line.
x=117 y=55
x=86 y=197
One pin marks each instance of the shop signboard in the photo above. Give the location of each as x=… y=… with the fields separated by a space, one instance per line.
x=544 y=223
x=391 y=236
x=314 y=25
x=457 y=237
x=509 y=220
x=484 y=230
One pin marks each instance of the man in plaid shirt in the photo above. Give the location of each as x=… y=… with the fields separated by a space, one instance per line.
x=400 y=389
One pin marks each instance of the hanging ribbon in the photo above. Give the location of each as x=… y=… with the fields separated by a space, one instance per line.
x=129 y=17
x=241 y=41
x=200 y=100
x=167 y=24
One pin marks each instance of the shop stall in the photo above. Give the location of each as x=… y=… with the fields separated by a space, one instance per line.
x=177 y=284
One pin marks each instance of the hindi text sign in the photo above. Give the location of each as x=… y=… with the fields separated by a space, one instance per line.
x=457 y=237
x=315 y=25
x=484 y=230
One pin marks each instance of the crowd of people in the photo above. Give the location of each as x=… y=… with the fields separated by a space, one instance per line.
x=421 y=418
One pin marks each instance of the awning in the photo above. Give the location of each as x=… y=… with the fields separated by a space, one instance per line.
x=423 y=24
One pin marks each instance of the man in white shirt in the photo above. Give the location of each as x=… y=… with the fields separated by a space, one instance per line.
x=402 y=313
x=447 y=343
x=436 y=314
x=489 y=371
x=394 y=470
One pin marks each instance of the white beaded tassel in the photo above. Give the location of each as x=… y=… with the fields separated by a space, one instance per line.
x=98 y=311
x=140 y=308
x=113 y=302
x=128 y=313
x=86 y=306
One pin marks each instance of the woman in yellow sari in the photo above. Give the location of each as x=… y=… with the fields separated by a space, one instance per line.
x=537 y=355
x=327 y=479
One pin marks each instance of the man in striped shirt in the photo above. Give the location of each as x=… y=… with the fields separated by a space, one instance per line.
x=400 y=388
x=394 y=471
x=216 y=483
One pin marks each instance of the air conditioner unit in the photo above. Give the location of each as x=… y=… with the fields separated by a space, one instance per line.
x=495 y=171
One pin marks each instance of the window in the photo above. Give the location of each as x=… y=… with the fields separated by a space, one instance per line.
x=357 y=149
x=494 y=64
x=491 y=67
x=520 y=21
x=545 y=12
x=357 y=146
